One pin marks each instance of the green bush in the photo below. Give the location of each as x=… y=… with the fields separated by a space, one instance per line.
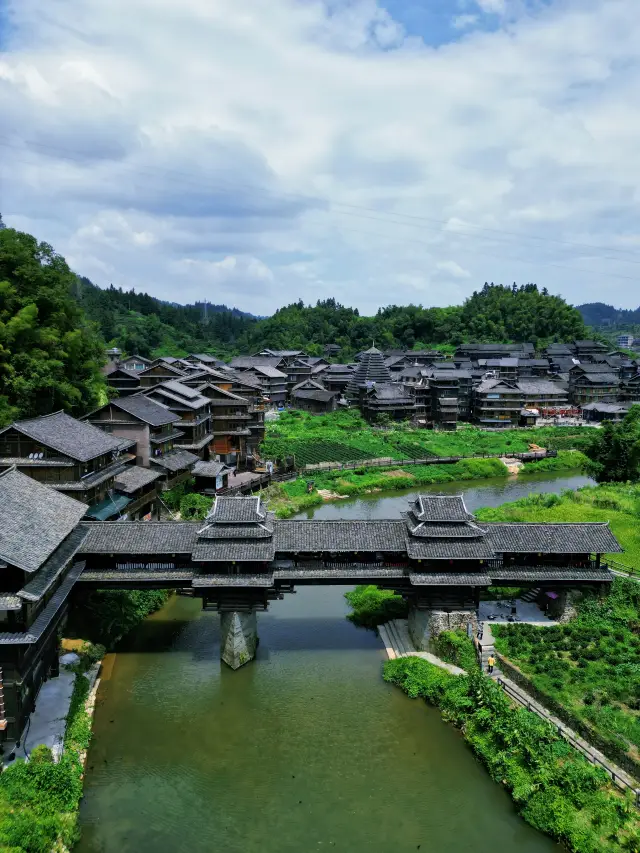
x=554 y=788
x=457 y=648
x=372 y=606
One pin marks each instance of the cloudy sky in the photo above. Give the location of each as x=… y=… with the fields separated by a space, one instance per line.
x=254 y=152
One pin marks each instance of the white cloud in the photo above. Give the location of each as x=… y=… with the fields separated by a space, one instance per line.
x=453 y=269
x=463 y=22
x=279 y=150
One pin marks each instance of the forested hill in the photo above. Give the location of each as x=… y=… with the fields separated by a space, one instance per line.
x=495 y=313
x=600 y=315
x=139 y=323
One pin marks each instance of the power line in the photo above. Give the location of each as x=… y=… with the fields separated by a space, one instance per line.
x=190 y=179
x=64 y=153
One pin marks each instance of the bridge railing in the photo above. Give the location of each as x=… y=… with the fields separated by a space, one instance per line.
x=387 y=462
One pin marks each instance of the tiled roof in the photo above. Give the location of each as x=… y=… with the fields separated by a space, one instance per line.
x=48 y=573
x=91 y=480
x=269 y=372
x=449 y=549
x=237 y=510
x=562 y=538
x=441 y=508
x=251 y=361
x=193 y=400
x=449 y=578
x=321 y=396
x=48 y=614
x=336 y=536
x=144 y=537
x=210 y=469
x=134 y=477
x=236 y=550
x=535 y=574
x=151 y=575
x=34 y=520
x=540 y=386
x=177 y=460
x=454 y=530
x=76 y=439
x=10 y=602
x=259 y=580
x=261 y=530
x=146 y=410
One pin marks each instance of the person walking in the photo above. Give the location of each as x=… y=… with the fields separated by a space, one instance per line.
x=491 y=662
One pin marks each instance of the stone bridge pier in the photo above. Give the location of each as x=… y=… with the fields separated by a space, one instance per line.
x=426 y=623
x=238 y=636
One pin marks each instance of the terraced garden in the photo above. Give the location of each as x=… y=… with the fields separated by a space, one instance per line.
x=345 y=437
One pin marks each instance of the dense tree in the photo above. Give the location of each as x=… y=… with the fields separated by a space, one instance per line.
x=614 y=452
x=50 y=356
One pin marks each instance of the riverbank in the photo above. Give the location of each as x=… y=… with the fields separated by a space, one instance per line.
x=554 y=788
x=40 y=798
x=289 y=498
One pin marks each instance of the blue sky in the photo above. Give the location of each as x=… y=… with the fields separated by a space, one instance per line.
x=380 y=153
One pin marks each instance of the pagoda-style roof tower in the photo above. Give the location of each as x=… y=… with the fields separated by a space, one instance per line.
x=370 y=370
x=440 y=526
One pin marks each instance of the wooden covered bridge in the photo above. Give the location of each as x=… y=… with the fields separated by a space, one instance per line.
x=437 y=555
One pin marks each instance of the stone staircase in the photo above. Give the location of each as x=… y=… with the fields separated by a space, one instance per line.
x=531 y=595
x=398 y=644
x=485 y=649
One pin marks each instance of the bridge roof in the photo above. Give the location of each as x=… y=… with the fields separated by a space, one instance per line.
x=334 y=536
x=144 y=537
x=553 y=538
x=442 y=508
x=233 y=550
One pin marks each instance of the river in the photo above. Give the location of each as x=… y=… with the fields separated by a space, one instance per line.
x=305 y=749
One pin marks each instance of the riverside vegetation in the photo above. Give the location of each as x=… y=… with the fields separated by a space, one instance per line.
x=554 y=788
x=39 y=799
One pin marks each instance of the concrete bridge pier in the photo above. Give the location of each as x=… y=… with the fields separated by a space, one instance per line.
x=239 y=637
x=426 y=623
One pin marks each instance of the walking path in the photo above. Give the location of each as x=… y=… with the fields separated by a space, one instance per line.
x=397 y=642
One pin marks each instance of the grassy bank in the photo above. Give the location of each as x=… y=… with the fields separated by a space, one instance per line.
x=554 y=788
x=345 y=437
x=39 y=799
x=618 y=504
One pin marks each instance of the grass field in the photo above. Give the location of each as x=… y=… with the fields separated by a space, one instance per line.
x=345 y=437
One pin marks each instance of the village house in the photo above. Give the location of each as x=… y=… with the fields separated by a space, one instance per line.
x=40 y=539
x=194 y=411
x=312 y=397
x=70 y=456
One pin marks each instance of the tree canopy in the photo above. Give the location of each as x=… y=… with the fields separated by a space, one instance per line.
x=50 y=355
x=614 y=452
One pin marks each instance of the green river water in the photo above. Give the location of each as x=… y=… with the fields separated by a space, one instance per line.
x=305 y=749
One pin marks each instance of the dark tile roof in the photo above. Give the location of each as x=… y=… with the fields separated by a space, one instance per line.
x=237 y=510
x=371 y=368
x=210 y=469
x=449 y=549
x=48 y=614
x=174 y=392
x=134 y=477
x=146 y=410
x=177 y=460
x=236 y=550
x=97 y=576
x=561 y=538
x=76 y=439
x=262 y=530
x=91 y=480
x=441 y=508
x=320 y=396
x=393 y=391
x=597 y=379
x=538 y=574
x=447 y=578
x=336 y=536
x=10 y=602
x=259 y=580
x=453 y=530
x=48 y=573
x=249 y=361
x=144 y=537
x=35 y=520
x=540 y=386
